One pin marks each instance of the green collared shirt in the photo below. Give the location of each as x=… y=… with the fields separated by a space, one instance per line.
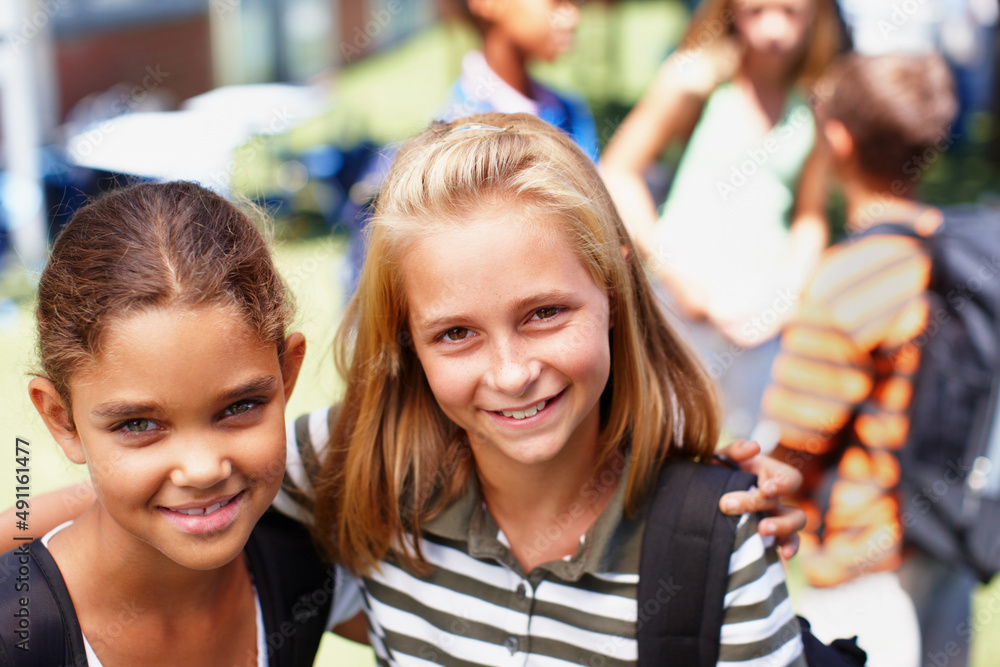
x=611 y=545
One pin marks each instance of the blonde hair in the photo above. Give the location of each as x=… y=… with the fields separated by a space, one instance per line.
x=396 y=459
x=714 y=20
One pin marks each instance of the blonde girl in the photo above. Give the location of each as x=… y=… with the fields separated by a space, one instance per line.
x=744 y=223
x=512 y=392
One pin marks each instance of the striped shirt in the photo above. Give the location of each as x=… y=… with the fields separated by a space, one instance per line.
x=479 y=607
x=841 y=386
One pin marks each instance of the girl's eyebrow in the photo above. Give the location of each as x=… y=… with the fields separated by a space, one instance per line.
x=552 y=297
x=258 y=385
x=121 y=409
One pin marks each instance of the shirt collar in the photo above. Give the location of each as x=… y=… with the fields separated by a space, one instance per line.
x=478 y=80
x=467 y=520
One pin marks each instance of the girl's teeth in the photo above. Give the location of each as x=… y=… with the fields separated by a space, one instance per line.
x=204 y=512
x=523 y=414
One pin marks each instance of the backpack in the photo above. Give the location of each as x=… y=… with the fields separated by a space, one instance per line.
x=950 y=464
x=295 y=590
x=692 y=542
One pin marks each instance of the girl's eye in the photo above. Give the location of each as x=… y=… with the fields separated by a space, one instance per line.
x=241 y=407
x=546 y=313
x=456 y=334
x=137 y=425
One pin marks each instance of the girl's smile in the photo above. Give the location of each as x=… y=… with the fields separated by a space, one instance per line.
x=210 y=517
x=527 y=411
x=532 y=413
x=512 y=333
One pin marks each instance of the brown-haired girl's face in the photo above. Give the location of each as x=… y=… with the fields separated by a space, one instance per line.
x=512 y=333
x=775 y=30
x=181 y=423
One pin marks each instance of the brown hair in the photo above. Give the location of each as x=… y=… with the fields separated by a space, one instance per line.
x=148 y=246
x=714 y=20
x=894 y=106
x=396 y=459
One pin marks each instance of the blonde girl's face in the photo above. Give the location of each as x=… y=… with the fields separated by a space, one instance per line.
x=512 y=334
x=181 y=423
x=774 y=29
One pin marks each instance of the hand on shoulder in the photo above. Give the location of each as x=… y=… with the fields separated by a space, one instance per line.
x=775 y=479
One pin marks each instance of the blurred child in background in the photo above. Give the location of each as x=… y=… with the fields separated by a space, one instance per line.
x=744 y=222
x=515 y=32
x=843 y=379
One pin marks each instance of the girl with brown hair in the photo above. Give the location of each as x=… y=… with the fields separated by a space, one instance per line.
x=165 y=369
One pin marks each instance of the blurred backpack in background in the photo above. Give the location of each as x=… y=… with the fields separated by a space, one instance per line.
x=950 y=464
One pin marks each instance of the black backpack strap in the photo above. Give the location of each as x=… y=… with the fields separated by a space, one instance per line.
x=895 y=228
x=52 y=636
x=296 y=589
x=688 y=541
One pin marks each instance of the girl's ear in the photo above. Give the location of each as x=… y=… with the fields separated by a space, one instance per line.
x=485 y=10
x=839 y=140
x=57 y=419
x=291 y=363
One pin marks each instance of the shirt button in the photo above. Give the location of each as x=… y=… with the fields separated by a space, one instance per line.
x=512 y=644
x=520 y=591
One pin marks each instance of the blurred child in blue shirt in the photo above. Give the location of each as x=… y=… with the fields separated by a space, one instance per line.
x=515 y=32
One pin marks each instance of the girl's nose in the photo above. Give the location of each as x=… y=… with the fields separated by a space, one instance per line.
x=513 y=370
x=200 y=465
x=774 y=25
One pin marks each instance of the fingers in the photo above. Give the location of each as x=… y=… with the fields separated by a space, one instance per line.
x=783 y=522
x=745 y=502
x=774 y=477
x=789 y=547
x=740 y=450
x=781 y=482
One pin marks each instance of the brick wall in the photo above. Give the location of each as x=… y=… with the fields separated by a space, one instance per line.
x=178 y=52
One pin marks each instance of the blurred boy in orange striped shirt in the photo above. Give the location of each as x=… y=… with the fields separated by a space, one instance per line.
x=841 y=385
